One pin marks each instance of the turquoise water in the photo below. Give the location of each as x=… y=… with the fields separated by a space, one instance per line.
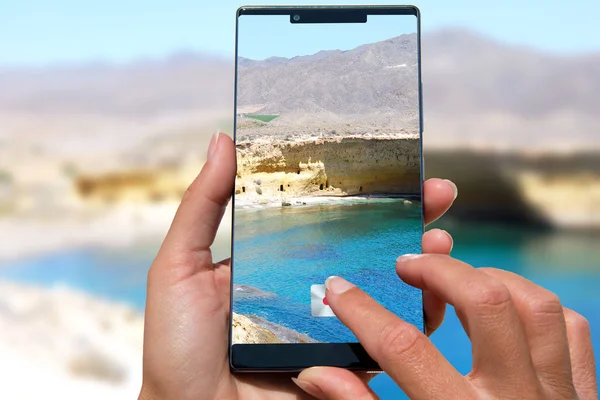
x=566 y=263
x=286 y=250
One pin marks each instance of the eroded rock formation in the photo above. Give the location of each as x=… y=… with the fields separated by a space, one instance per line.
x=334 y=167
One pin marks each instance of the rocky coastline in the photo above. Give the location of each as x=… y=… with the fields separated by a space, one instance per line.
x=252 y=329
x=289 y=172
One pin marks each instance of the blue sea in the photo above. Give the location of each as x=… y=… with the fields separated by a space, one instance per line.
x=565 y=262
x=286 y=250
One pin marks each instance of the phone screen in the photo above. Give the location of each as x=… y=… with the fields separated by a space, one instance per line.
x=328 y=138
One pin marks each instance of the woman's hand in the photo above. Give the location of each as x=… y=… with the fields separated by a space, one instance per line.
x=526 y=345
x=187 y=306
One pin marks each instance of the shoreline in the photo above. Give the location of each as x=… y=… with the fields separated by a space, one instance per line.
x=308 y=201
x=252 y=329
x=26 y=237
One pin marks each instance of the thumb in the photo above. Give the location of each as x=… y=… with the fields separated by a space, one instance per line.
x=328 y=383
x=186 y=248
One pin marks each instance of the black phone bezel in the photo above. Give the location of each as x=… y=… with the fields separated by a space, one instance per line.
x=294 y=357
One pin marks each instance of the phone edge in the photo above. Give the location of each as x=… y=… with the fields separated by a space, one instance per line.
x=240 y=11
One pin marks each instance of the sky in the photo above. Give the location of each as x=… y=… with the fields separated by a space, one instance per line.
x=40 y=33
x=257 y=41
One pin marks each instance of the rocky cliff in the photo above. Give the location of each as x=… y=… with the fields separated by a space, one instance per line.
x=327 y=167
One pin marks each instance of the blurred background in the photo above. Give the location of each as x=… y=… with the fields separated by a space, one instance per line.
x=106 y=111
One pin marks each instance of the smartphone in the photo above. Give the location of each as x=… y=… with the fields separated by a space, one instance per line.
x=328 y=129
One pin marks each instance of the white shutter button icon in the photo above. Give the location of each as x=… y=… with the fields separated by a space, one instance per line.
x=318 y=302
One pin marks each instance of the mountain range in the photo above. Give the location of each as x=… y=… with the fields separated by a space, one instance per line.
x=377 y=77
x=471 y=82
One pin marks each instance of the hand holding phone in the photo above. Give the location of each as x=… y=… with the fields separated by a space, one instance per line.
x=185 y=346
x=187 y=306
x=188 y=295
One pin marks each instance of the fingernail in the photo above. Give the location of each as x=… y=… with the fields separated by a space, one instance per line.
x=454 y=187
x=337 y=285
x=309 y=388
x=213 y=145
x=408 y=257
x=451 y=240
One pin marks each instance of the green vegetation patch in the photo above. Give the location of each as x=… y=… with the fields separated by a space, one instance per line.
x=262 y=117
